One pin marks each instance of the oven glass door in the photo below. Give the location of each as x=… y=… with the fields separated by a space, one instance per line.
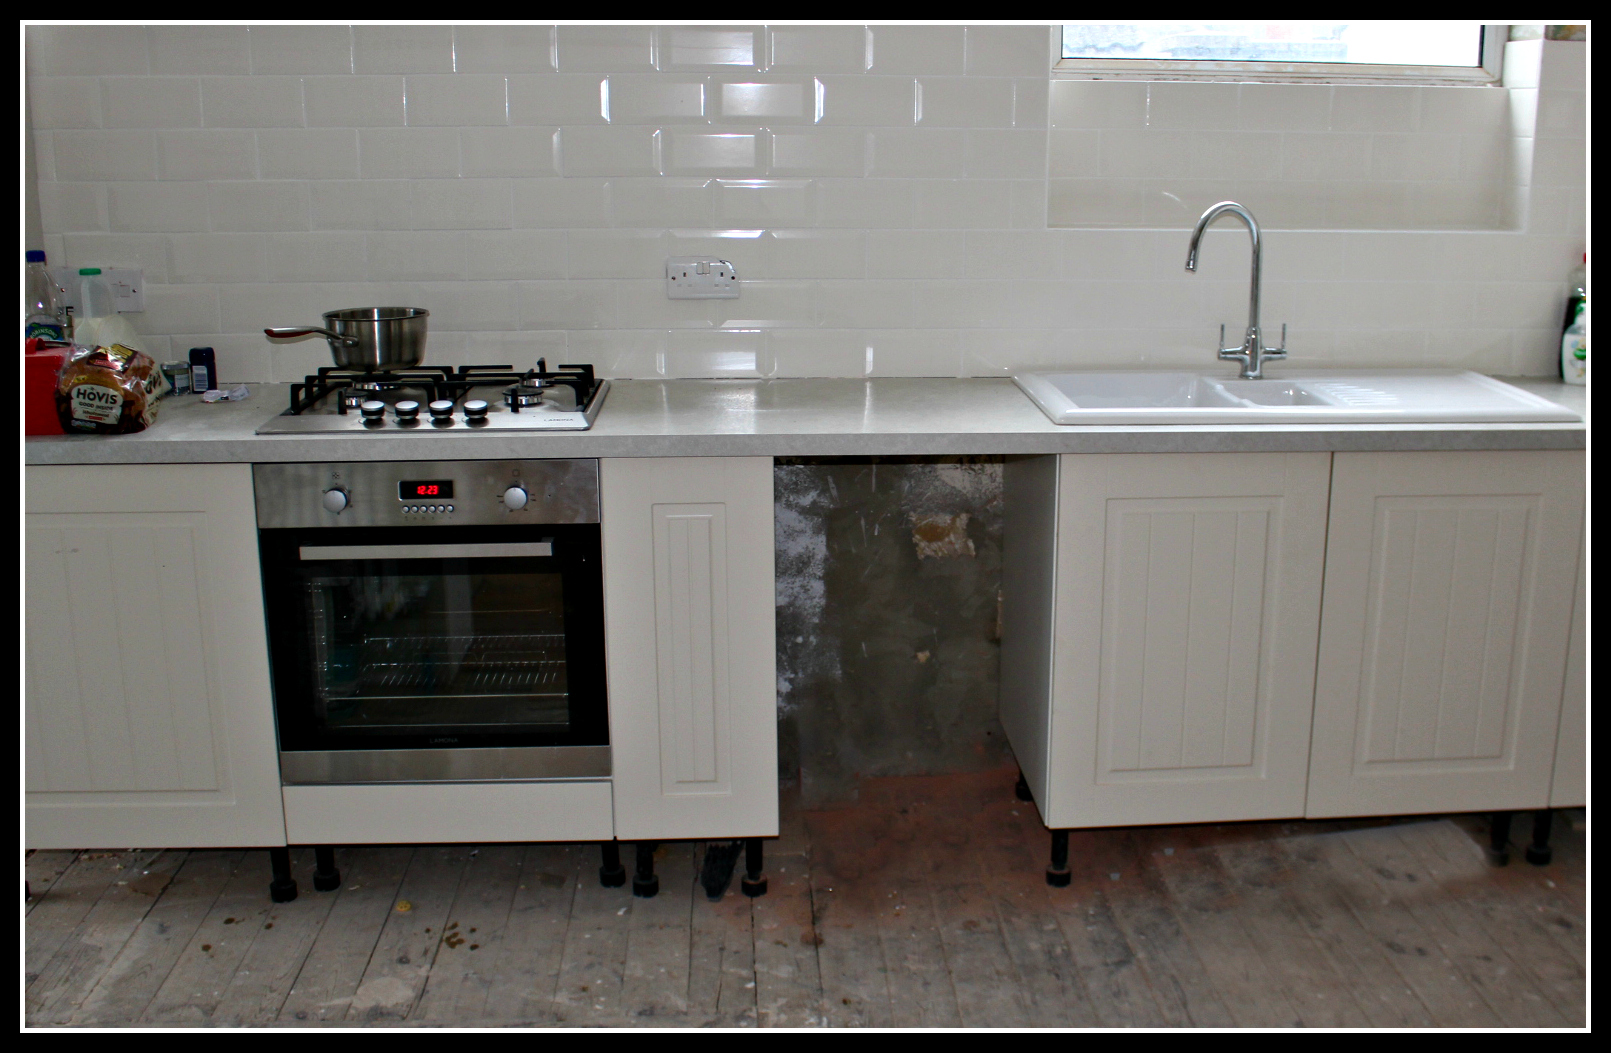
x=436 y=638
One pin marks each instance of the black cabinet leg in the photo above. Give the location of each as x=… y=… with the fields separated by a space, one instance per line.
x=1058 y=875
x=611 y=874
x=1022 y=789
x=1499 y=839
x=717 y=872
x=644 y=883
x=1538 y=853
x=753 y=883
x=282 y=888
x=326 y=878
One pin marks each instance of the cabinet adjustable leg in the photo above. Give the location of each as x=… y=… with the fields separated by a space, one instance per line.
x=1058 y=875
x=644 y=883
x=1538 y=853
x=326 y=878
x=282 y=888
x=612 y=874
x=1022 y=789
x=1499 y=839
x=753 y=883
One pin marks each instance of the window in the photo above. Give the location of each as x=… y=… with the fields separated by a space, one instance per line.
x=1383 y=51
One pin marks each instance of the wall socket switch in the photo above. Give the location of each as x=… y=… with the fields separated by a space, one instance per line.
x=128 y=286
x=700 y=278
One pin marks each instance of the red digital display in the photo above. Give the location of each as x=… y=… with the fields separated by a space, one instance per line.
x=424 y=489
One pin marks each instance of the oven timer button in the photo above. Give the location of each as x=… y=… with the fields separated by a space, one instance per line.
x=334 y=500
x=515 y=498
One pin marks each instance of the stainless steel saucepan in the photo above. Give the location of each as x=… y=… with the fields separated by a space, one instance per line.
x=369 y=337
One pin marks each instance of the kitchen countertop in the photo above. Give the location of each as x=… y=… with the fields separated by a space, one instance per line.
x=781 y=418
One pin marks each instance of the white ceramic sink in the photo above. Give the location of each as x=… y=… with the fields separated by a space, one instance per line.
x=1387 y=396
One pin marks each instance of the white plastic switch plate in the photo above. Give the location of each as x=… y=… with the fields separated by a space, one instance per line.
x=700 y=278
x=128 y=286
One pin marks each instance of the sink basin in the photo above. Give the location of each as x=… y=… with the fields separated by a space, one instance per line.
x=1406 y=396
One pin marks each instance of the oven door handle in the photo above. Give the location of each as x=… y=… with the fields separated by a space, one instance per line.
x=536 y=548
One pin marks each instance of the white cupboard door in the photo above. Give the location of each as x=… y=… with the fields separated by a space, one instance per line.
x=689 y=615
x=1448 y=600
x=1187 y=602
x=1569 y=788
x=148 y=720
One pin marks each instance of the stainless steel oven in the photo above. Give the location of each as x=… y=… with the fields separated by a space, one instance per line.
x=435 y=620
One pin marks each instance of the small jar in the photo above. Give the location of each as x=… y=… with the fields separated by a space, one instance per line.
x=177 y=374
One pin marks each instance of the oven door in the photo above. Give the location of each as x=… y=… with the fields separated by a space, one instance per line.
x=437 y=653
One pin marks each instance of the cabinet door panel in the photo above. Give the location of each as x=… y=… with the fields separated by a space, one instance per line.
x=689 y=634
x=1569 y=788
x=148 y=714
x=1448 y=595
x=1188 y=592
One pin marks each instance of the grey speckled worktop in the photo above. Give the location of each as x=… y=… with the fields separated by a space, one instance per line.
x=780 y=418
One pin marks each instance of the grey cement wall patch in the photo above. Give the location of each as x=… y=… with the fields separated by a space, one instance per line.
x=888 y=585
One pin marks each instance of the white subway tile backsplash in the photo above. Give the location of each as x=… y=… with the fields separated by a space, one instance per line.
x=606 y=49
x=1098 y=104
x=653 y=202
x=639 y=99
x=402 y=49
x=457 y=100
x=1369 y=108
x=918 y=152
x=877 y=303
x=1181 y=106
x=630 y=353
x=426 y=256
x=965 y=102
x=483 y=305
x=561 y=203
x=792 y=101
x=567 y=305
x=65 y=102
x=156 y=207
x=913 y=353
x=812 y=254
x=314 y=256
x=150 y=102
x=1031 y=103
x=368 y=204
x=824 y=152
x=616 y=254
x=767 y=305
x=819 y=352
x=307 y=153
x=932 y=50
x=208 y=258
x=181 y=309
x=718 y=353
x=252 y=102
x=301 y=49
x=1004 y=255
x=626 y=151
x=735 y=154
x=1286 y=107
x=522 y=255
x=710 y=47
x=408 y=153
x=916 y=253
x=107 y=156
x=962 y=204
x=819 y=49
x=868 y=203
x=565 y=98
x=760 y=203
x=519 y=152
x=199 y=49
x=1008 y=51
x=503 y=49
x=65 y=50
x=462 y=204
x=1003 y=153
x=354 y=102
x=1330 y=157
x=867 y=101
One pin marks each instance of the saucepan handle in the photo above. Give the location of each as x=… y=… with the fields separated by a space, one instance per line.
x=311 y=330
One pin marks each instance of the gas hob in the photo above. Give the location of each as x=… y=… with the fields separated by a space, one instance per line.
x=435 y=399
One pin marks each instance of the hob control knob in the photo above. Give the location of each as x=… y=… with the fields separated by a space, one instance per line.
x=475 y=409
x=442 y=409
x=334 y=500
x=373 y=410
x=515 y=498
x=407 y=411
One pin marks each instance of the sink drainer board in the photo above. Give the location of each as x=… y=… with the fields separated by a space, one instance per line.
x=1354 y=397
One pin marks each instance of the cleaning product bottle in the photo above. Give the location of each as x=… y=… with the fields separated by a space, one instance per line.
x=42 y=314
x=1575 y=347
x=98 y=323
x=1577 y=292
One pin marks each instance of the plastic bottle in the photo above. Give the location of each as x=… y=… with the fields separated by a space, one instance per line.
x=1577 y=292
x=98 y=322
x=1575 y=347
x=42 y=313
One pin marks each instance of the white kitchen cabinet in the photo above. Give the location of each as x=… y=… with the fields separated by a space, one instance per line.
x=690 y=649
x=1569 y=788
x=1162 y=672
x=148 y=714
x=1444 y=632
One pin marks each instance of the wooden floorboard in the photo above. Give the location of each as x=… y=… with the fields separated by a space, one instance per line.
x=922 y=904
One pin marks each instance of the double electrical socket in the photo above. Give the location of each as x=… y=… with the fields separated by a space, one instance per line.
x=128 y=286
x=700 y=278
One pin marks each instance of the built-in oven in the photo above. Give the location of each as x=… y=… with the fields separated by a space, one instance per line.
x=435 y=620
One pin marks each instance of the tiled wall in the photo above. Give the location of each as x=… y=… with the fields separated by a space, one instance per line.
x=882 y=191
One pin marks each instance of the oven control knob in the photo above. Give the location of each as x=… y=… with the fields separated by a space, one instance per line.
x=373 y=410
x=442 y=410
x=515 y=498
x=335 y=500
x=407 y=411
x=475 y=409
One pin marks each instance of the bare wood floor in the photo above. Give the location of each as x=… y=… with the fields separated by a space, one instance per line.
x=923 y=905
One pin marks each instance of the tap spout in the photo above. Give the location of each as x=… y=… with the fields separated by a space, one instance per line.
x=1252 y=352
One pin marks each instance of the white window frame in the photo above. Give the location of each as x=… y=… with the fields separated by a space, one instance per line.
x=1494 y=37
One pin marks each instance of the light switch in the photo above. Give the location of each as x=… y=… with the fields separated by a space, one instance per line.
x=700 y=278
